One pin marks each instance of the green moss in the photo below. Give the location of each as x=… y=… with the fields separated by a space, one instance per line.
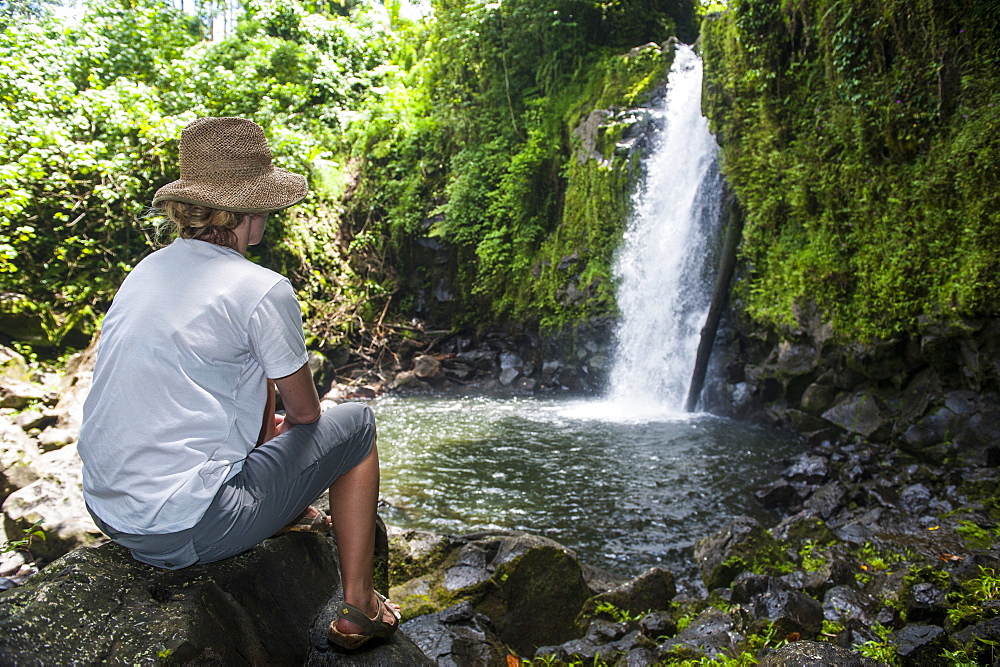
x=862 y=140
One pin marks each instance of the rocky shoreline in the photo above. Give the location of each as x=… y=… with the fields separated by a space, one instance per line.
x=881 y=555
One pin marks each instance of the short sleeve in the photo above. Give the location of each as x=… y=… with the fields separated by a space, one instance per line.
x=275 y=331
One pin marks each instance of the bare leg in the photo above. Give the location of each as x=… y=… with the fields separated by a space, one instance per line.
x=353 y=501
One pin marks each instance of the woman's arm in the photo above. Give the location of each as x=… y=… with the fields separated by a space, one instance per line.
x=298 y=395
x=267 y=429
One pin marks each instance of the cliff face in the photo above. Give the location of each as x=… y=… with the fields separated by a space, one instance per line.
x=861 y=141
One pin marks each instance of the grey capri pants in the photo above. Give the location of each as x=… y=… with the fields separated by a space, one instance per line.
x=279 y=480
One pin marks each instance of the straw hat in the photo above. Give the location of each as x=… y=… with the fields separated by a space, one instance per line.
x=226 y=164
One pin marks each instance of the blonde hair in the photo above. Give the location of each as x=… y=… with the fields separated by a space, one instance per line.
x=194 y=221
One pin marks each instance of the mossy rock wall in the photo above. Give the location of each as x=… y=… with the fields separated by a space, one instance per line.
x=862 y=140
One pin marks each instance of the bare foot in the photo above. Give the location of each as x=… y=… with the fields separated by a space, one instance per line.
x=390 y=612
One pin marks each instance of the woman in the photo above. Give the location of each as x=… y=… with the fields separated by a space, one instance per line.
x=196 y=333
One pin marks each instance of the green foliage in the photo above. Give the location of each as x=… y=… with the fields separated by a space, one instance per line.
x=90 y=116
x=862 y=140
x=977 y=537
x=617 y=614
x=967 y=602
x=877 y=559
x=812 y=560
x=483 y=157
x=457 y=131
x=34 y=531
x=880 y=650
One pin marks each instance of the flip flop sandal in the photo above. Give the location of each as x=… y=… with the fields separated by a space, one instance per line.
x=371 y=628
x=318 y=523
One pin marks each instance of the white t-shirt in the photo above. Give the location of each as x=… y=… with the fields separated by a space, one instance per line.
x=179 y=386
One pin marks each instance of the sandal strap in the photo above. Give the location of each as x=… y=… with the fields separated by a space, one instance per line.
x=370 y=626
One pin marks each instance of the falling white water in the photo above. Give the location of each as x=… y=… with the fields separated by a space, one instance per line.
x=665 y=267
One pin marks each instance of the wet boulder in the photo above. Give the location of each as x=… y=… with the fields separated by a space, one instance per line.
x=457 y=636
x=777 y=494
x=741 y=545
x=827 y=500
x=414 y=553
x=802 y=527
x=925 y=602
x=531 y=588
x=859 y=413
x=658 y=624
x=845 y=603
x=768 y=601
x=711 y=633
x=920 y=645
x=809 y=468
x=977 y=638
x=101 y=606
x=801 y=654
x=652 y=590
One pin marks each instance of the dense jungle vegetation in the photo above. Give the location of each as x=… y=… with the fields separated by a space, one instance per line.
x=863 y=140
x=449 y=129
x=450 y=180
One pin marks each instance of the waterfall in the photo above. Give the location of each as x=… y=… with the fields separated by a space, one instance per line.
x=664 y=268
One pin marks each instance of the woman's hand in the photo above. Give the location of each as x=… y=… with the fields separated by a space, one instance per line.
x=279 y=425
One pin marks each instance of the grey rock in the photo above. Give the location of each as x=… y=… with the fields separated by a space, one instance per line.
x=13 y=365
x=857 y=413
x=531 y=588
x=413 y=553
x=915 y=498
x=827 y=499
x=457 y=636
x=601 y=581
x=815 y=654
x=101 y=606
x=808 y=468
x=802 y=527
x=16 y=394
x=18 y=457
x=925 y=602
x=510 y=360
x=919 y=644
x=56 y=497
x=795 y=359
x=657 y=624
x=844 y=603
x=54 y=437
x=735 y=548
x=638 y=657
x=651 y=590
x=35 y=418
x=711 y=633
x=772 y=602
x=508 y=375
x=76 y=385
x=407 y=379
x=602 y=631
x=427 y=367
x=777 y=494
x=988 y=630
x=818 y=398
x=482 y=360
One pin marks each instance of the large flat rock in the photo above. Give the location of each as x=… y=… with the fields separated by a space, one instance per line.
x=99 y=605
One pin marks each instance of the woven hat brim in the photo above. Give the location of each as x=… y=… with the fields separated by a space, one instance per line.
x=270 y=192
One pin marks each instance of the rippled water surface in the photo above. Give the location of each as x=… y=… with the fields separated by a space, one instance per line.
x=626 y=494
